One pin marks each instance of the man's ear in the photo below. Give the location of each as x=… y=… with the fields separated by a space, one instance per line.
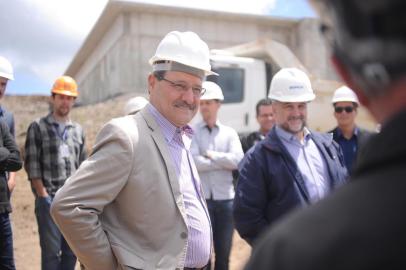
x=349 y=81
x=151 y=82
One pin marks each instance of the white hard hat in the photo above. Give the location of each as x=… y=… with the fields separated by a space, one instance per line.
x=134 y=105
x=344 y=94
x=213 y=91
x=291 y=85
x=6 y=69
x=185 y=48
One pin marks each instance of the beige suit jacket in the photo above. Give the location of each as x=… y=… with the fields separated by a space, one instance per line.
x=123 y=208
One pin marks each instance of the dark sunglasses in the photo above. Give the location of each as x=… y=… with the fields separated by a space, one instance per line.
x=347 y=109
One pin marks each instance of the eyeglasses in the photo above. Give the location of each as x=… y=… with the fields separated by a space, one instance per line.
x=347 y=109
x=183 y=87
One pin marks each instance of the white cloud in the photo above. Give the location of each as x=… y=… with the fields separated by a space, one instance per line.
x=253 y=7
x=73 y=16
x=42 y=36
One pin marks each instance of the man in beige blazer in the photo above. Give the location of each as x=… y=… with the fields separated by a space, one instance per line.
x=136 y=202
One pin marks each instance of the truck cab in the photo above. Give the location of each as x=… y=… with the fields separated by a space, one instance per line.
x=244 y=82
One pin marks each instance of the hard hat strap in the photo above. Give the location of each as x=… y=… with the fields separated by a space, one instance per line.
x=164 y=65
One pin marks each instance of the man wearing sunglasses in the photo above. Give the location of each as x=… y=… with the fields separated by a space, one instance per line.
x=137 y=202
x=347 y=134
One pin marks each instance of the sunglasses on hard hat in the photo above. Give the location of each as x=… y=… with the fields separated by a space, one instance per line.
x=347 y=109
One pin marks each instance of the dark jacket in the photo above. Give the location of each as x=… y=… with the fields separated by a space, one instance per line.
x=10 y=161
x=360 y=227
x=362 y=136
x=250 y=140
x=270 y=183
x=9 y=118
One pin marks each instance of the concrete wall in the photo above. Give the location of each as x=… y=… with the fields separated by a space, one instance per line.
x=119 y=62
x=114 y=58
x=312 y=50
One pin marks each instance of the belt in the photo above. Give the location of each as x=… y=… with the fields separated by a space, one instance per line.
x=197 y=268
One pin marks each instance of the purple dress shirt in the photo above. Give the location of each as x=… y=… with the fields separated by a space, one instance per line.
x=199 y=228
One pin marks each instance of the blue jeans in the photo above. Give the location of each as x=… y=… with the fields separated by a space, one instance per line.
x=6 y=243
x=222 y=223
x=55 y=252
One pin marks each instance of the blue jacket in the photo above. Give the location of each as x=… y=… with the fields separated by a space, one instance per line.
x=270 y=183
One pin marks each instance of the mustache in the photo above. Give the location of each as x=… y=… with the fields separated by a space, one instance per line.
x=182 y=104
x=296 y=118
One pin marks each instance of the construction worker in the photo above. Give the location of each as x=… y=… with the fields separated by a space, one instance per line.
x=7 y=74
x=265 y=120
x=54 y=149
x=347 y=134
x=10 y=161
x=217 y=151
x=134 y=105
x=137 y=201
x=362 y=225
x=294 y=166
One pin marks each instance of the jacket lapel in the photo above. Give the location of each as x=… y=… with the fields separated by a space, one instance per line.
x=160 y=142
x=276 y=145
x=324 y=147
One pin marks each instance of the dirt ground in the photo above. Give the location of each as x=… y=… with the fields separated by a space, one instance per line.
x=26 y=241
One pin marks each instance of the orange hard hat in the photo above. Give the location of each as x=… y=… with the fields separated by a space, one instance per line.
x=65 y=85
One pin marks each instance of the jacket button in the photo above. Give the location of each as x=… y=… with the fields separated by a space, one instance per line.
x=183 y=235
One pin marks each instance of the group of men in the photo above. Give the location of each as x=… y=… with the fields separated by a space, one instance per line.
x=54 y=149
x=156 y=193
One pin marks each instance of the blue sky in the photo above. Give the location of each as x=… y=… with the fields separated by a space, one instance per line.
x=40 y=37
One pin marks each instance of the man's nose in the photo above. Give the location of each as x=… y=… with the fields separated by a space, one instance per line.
x=188 y=96
x=296 y=111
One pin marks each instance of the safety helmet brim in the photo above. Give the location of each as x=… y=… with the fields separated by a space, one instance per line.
x=213 y=91
x=65 y=93
x=7 y=76
x=186 y=49
x=155 y=59
x=291 y=99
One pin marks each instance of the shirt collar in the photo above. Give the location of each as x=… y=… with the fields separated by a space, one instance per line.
x=203 y=124
x=287 y=136
x=340 y=133
x=169 y=129
x=51 y=120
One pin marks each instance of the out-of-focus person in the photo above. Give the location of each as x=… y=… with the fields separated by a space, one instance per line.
x=217 y=151
x=265 y=120
x=347 y=133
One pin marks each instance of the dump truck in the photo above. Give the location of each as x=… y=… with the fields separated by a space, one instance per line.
x=245 y=72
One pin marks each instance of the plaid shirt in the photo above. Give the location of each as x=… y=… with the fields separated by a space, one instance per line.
x=43 y=157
